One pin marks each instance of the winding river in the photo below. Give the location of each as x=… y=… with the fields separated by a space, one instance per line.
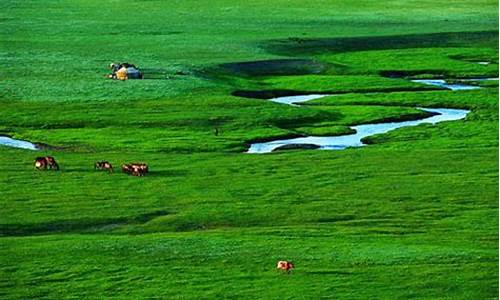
x=332 y=142
x=362 y=131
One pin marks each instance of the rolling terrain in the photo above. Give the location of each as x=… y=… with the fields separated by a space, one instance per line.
x=412 y=215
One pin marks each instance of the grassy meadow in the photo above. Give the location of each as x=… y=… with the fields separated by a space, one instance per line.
x=412 y=215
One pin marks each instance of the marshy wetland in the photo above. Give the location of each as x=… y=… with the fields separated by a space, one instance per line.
x=412 y=215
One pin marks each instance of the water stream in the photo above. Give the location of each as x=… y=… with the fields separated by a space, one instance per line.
x=10 y=142
x=362 y=131
x=332 y=142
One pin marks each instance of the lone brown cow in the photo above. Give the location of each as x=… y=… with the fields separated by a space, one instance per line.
x=103 y=165
x=44 y=162
x=285 y=266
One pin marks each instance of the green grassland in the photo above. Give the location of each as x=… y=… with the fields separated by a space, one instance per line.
x=412 y=215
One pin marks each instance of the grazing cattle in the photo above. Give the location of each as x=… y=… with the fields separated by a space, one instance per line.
x=127 y=168
x=103 y=165
x=135 y=169
x=51 y=162
x=284 y=265
x=42 y=163
x=139 y=169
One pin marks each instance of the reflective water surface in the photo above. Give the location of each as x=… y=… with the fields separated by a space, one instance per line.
x=354 y=140
x=10 y=142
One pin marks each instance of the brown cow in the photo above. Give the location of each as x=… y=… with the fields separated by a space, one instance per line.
x=139 y=169
x=284 y=265
x=40 y=163
x=135 y=169
x=127 y=168
x=44 y=162
x=103 y=165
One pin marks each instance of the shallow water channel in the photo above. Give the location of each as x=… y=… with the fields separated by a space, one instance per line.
x=362 y=131
x=10 y=142
x=453 y=86
x=332 y=142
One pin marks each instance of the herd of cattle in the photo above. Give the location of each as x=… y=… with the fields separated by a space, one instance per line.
x=134 y=169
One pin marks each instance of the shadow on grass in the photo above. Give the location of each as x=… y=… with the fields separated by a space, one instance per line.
x=330 y=272
x=300 y=46
x=83 y=225
x=117 y=171
x=168 y=173
x=275 y=67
